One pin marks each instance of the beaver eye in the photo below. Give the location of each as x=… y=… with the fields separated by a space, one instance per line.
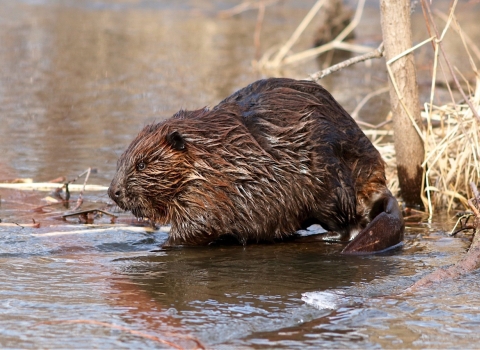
x=141 y=166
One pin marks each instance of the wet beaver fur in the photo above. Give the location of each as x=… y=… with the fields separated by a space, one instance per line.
x=266 y=161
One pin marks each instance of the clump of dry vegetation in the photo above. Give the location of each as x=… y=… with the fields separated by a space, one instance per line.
x=452 y=152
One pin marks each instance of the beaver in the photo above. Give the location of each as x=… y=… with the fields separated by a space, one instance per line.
x=270 y=159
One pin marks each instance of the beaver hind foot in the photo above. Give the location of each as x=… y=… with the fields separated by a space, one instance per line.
x=265 y=160
x=383 y=233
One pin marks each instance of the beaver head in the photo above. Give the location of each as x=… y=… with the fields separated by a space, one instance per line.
x=150 y=173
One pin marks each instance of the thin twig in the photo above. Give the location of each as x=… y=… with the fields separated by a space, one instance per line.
x=464 y=228
x=80 y=196
x=82 y=212
x=463 y=35
x=296 y=34
x=258 y=29
x=336 y=43
x=244 y=6
x=377 y=53
x=426 y=5
x=367 y=98
x=374 y=128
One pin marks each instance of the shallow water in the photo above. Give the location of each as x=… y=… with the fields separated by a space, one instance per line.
x=78 y=80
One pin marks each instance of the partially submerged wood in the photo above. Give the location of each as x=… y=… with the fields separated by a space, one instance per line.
x=48 y=186
x=60 y=188
x=471 y=260
x=89 y=215
x=12 y=224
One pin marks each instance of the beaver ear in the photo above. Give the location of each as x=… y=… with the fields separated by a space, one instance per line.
x=176 y=140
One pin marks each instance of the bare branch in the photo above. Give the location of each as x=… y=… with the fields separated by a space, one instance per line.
x=336 y=43
x=258 y=29
x=377 y=53
x=244 y=6
x=296 y=34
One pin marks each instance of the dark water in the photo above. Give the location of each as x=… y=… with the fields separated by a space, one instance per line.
x=78 y=80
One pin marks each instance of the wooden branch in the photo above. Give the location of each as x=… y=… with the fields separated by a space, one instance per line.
x=314 y=52
x=48 y=186
x=377 y=53
x=367 y=98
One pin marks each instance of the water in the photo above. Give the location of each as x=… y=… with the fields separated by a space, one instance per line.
x=78 y=80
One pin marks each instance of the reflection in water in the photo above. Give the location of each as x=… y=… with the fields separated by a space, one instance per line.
x=224 y=293
x=199 y=273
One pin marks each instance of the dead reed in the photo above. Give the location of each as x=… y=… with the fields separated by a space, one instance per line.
x=452 y=152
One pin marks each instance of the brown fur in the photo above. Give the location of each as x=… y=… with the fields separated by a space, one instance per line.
x=268 y=159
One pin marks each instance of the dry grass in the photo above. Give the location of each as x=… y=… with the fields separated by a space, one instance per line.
x=452 y=153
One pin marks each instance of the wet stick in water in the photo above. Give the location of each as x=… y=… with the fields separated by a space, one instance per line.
x=80 y=196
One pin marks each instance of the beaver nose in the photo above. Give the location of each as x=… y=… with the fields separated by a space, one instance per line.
x=114 y=192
